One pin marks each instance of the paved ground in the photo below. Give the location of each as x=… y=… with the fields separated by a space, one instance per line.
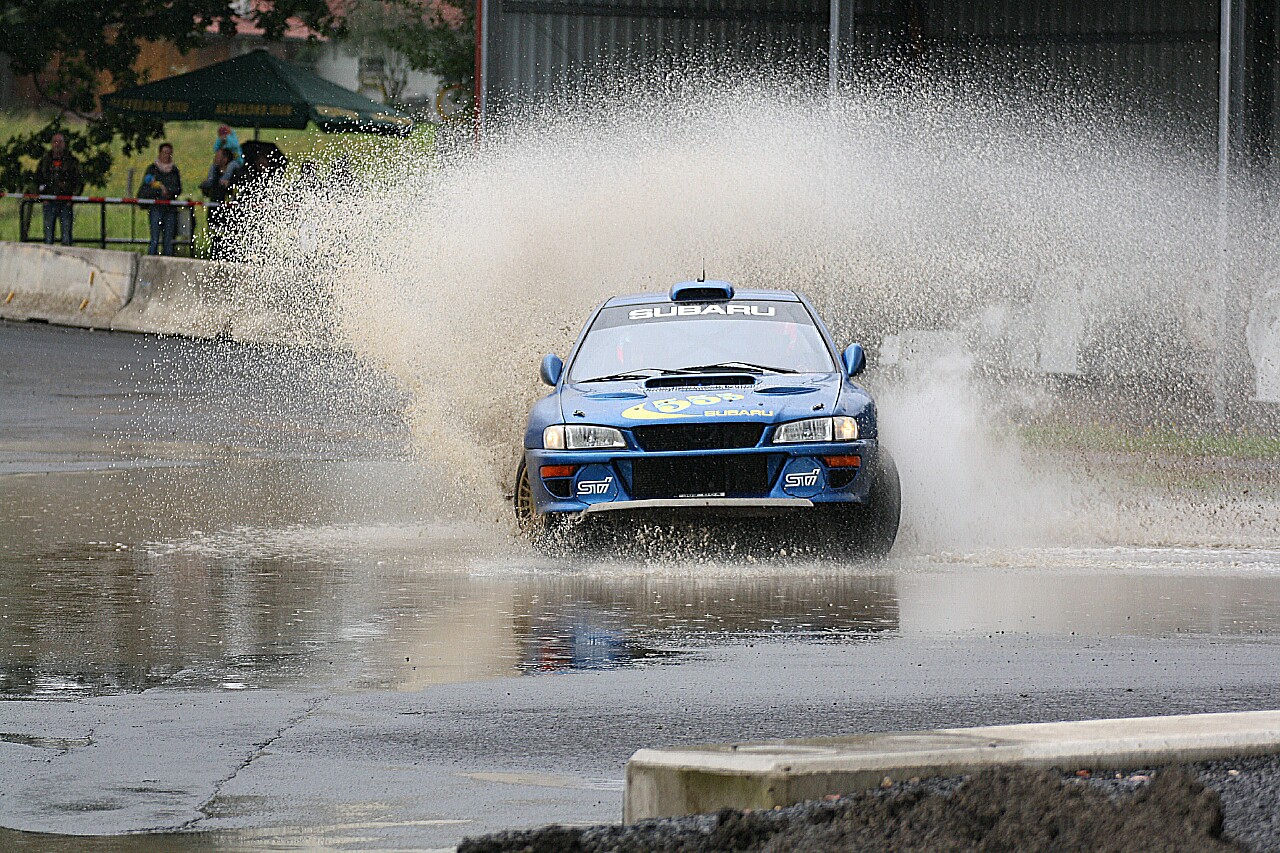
x=231 y=606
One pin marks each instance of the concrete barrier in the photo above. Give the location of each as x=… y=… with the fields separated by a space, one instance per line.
x=125 y=292
x=65 y=285
x=180 y=296
x=1263 y=337
x=671 y=782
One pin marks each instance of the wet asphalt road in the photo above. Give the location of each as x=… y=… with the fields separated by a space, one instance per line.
x=232 y=603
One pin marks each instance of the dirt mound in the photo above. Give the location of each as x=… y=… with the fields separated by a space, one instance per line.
x=1005 y=809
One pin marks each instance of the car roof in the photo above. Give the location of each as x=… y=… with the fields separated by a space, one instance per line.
x=739 y=295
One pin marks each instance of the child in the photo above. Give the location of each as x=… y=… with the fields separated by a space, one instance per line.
x=226 y=139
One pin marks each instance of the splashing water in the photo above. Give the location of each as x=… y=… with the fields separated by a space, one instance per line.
x=930 y=210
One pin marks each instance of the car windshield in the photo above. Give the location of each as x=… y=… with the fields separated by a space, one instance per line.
x=645 y=340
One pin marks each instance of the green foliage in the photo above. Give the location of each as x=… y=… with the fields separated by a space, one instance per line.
x=439 y=37
x=74 y=51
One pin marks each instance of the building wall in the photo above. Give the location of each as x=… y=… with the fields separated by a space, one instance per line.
x=341 y=63
x=537 y=48
x=1159 y=57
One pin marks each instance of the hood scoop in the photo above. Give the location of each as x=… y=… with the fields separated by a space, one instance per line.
x=787 y=390
x=703 y=380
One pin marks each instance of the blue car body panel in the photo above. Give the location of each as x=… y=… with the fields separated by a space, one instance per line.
x=648 y=471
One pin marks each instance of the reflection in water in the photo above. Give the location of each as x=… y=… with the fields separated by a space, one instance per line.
x=1130 y=604
x=572 y=622
x=85 y=621
x=402 y=607
x=581 y=646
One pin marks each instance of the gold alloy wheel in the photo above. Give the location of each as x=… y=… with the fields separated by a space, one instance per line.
x=525 y=511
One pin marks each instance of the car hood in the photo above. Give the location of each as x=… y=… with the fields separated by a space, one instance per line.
x=771 y=398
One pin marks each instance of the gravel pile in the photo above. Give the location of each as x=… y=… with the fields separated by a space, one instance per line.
x=1211 y=806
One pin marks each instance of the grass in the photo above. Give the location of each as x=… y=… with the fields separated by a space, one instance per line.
x=192 y=152
x=1110 y=438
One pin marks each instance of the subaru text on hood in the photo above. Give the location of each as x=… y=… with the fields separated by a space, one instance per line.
x=708 y=401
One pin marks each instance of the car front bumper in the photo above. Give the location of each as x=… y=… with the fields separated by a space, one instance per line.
x=757 y=480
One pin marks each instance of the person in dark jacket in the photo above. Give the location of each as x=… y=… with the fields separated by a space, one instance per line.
x=162 y=181
x=58 y=173
x=221 y=188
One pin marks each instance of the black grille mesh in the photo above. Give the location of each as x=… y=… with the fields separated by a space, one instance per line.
x=712 y=436
x=744 y=475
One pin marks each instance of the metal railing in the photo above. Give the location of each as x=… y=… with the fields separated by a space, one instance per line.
x=184 y=238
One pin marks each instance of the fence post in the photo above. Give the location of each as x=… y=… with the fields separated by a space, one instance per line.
x=133 y=208
x=24 y=220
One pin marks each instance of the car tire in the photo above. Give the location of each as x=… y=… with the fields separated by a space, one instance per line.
x=882 y=512
x=526 y=512
x=545 y=531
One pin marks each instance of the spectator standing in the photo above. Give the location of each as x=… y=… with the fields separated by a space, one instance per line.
x=220 y=188
x=226 y=141
x=161 y=181
x=342 y=177
x=308 y=178
x=58 y=173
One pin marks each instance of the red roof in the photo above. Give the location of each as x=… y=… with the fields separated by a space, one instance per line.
x=294 y=28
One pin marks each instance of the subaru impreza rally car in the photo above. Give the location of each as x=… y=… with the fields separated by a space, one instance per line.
x=708 y=400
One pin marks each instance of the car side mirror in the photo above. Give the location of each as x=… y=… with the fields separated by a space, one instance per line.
x=551 y=369
x=854 y=359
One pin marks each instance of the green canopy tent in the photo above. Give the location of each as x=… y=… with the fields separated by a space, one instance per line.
x=258 y=90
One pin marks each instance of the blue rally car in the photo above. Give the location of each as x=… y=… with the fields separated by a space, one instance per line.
x=709 y=400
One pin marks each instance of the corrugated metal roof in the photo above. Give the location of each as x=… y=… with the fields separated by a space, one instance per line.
x=543 y=47
x=1164 y=52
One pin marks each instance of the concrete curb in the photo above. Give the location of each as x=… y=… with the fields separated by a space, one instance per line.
x=670 y=782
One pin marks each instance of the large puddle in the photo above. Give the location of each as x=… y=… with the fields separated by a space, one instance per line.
x=194 y=589
x=177 y=516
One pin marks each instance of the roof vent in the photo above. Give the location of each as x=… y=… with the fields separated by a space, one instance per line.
x=701 y=291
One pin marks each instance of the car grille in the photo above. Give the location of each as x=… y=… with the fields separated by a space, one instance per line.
x=745 y=475
x=713 y=436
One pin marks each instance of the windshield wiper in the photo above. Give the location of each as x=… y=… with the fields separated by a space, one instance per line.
x=739 y=365
x=640 y=373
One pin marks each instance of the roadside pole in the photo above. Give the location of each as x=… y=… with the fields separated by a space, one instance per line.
x=479 y=99
x=833 y=49
x=1224 y=165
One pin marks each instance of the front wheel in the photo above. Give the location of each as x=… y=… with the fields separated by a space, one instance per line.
x=545 y=531
x=526 y=512
x=883 y=510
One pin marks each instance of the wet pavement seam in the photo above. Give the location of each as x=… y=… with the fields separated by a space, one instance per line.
x=258 y=751
x=61 y=745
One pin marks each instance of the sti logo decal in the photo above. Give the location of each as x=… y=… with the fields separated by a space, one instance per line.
x=701 y=311
x=800 y=479
x=595 y=487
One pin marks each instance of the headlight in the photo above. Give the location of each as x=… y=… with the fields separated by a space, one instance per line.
x=817 y=429
x=581 y=437
x=844 y=429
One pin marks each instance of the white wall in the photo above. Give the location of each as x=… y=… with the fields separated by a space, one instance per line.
x=339 y=63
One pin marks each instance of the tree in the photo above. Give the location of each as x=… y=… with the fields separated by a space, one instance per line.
x=438 y=36
x=74 y=51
